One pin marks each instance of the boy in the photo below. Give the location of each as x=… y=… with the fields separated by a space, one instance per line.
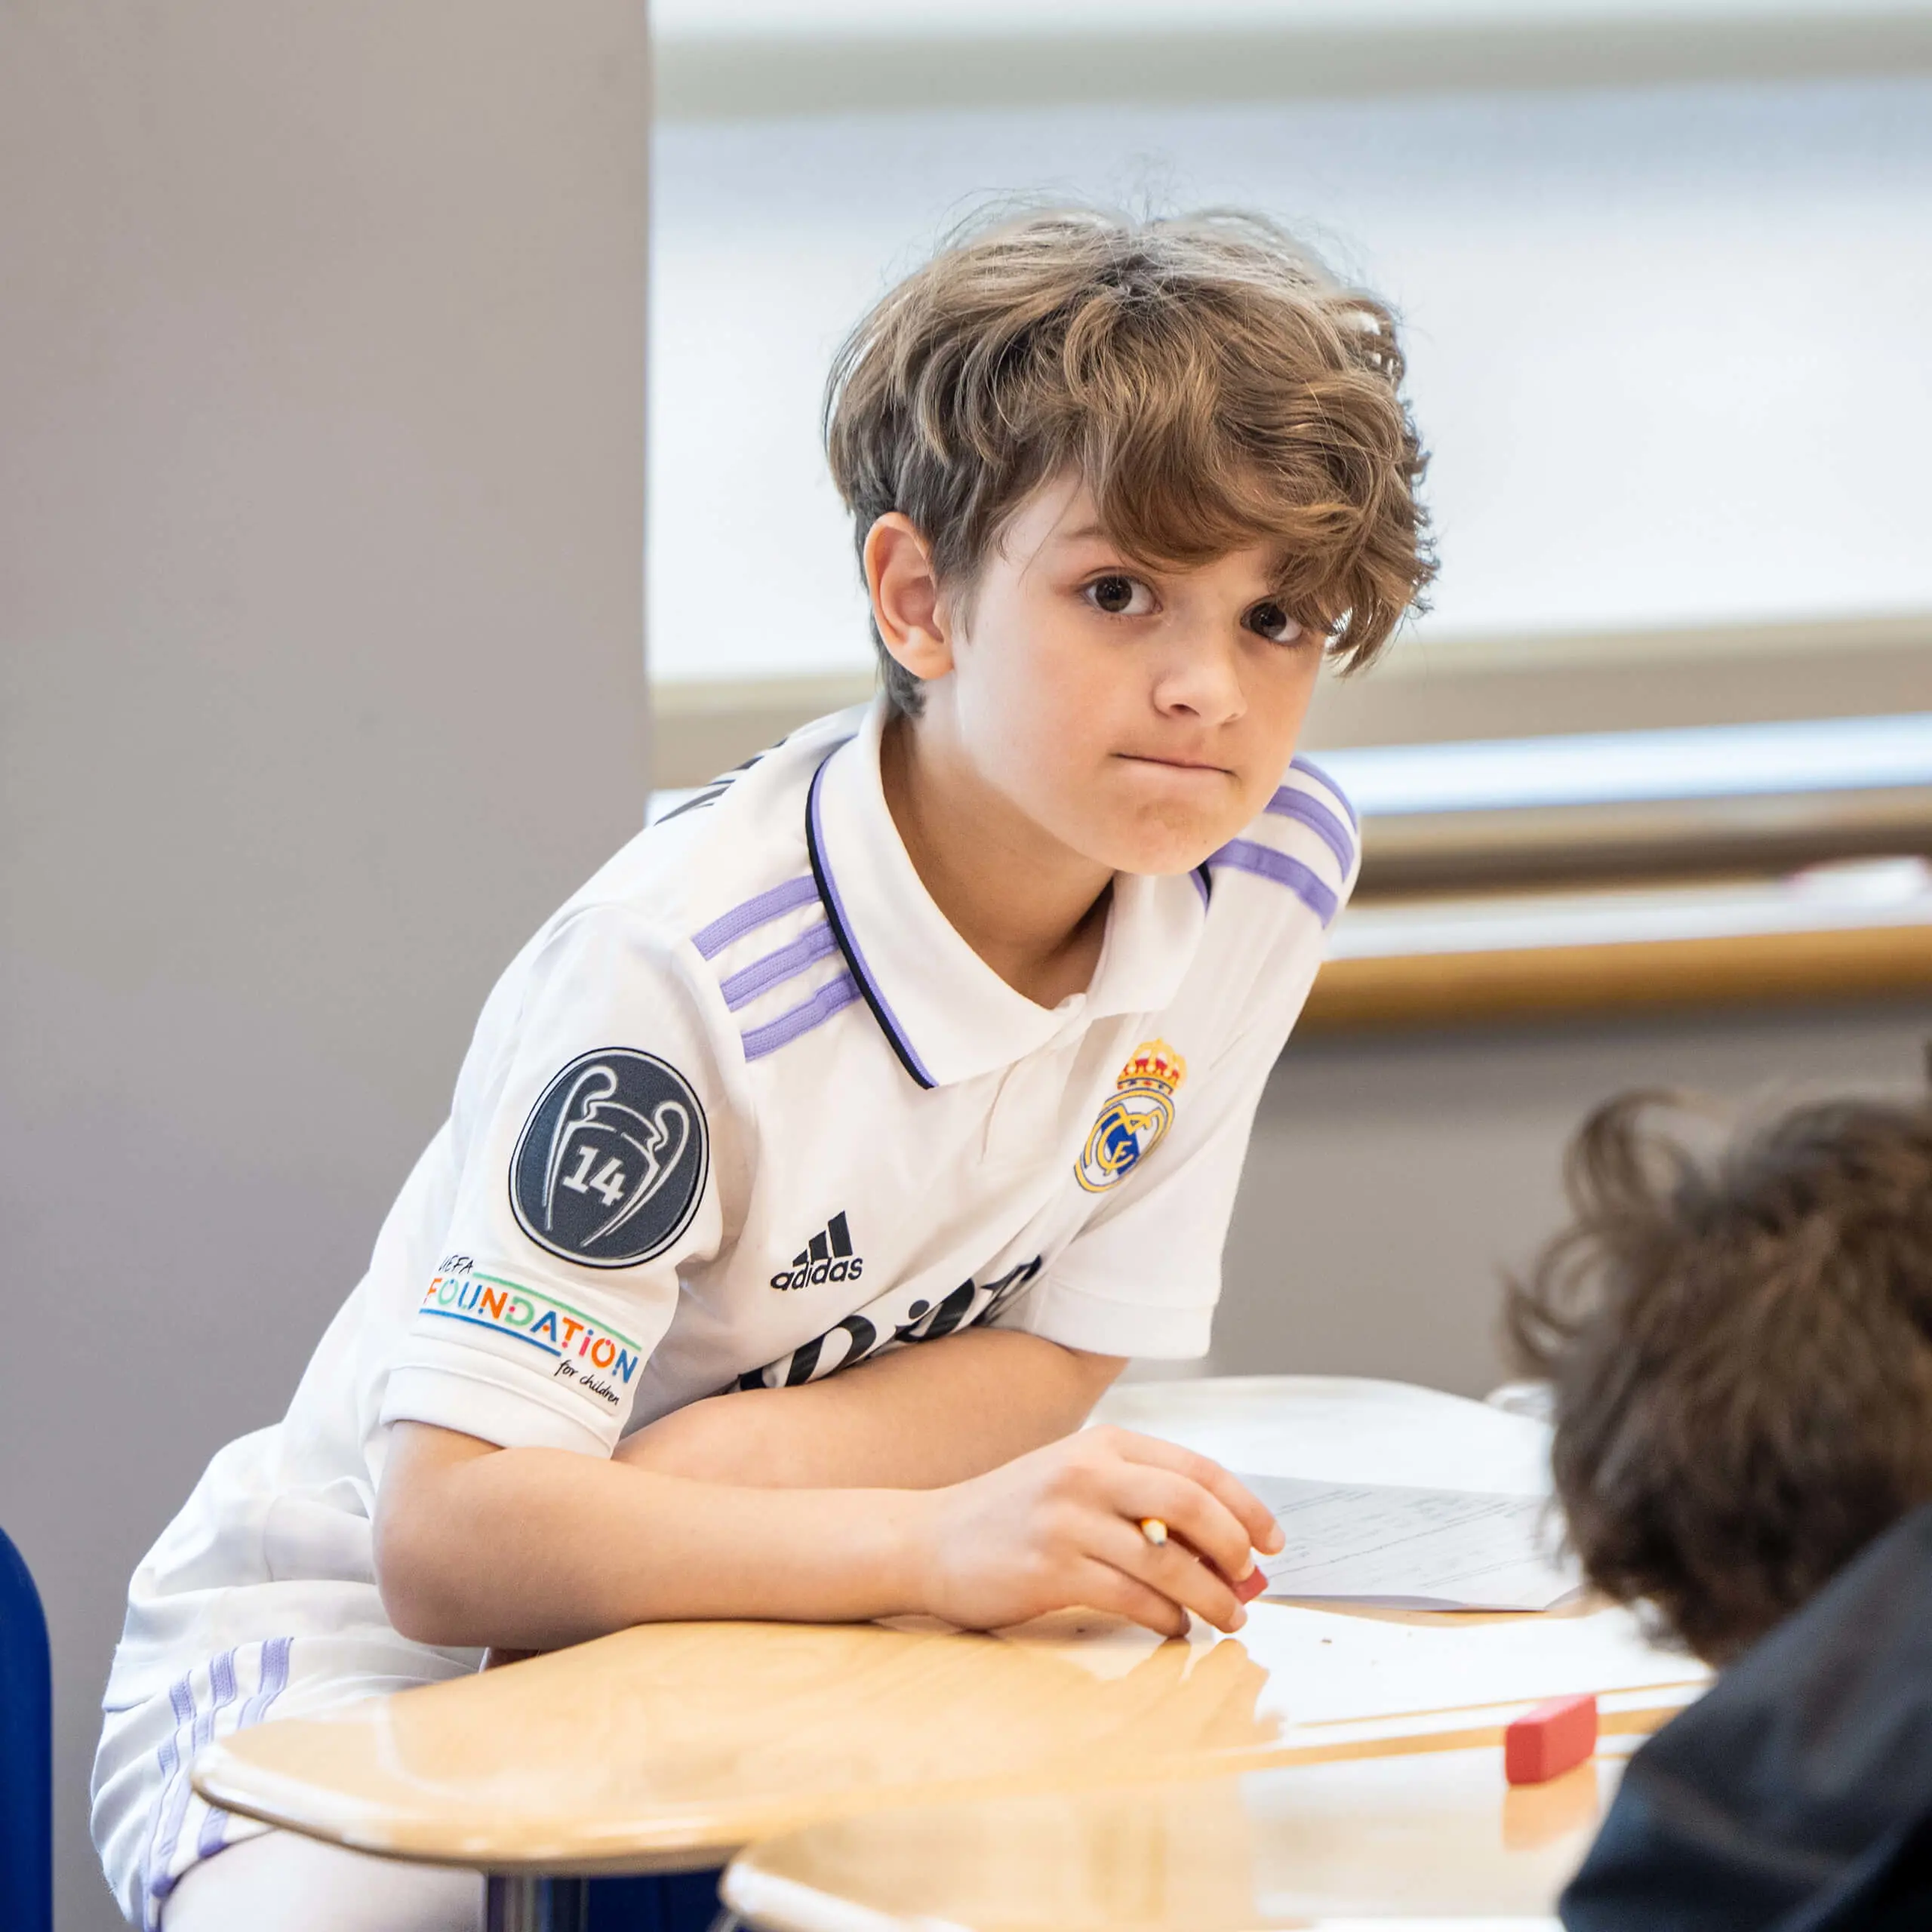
x=941 y=1023
x=1741 y=1346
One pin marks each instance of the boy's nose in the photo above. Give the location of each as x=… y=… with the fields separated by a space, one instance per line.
x=1201 y=679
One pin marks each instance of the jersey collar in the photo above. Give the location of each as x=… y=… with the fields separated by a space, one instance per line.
x=947 y=1015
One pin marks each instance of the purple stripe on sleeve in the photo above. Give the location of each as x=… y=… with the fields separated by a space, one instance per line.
x=712 y=940
x=741 y=988
x=1245 y=856
x=1321 y=777
x=833 y=997
x=1288 y=803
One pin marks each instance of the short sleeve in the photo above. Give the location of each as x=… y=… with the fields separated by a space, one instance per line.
x=588 y=1177
x=1143 y=1274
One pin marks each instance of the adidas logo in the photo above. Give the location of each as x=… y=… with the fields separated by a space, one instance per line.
x=827 y=1257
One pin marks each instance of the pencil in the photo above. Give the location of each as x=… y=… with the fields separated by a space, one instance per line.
x=1246 y=1588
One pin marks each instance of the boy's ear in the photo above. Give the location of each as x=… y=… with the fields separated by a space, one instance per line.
x=907 y=604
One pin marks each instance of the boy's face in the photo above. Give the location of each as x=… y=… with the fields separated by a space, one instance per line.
x=1139 y=717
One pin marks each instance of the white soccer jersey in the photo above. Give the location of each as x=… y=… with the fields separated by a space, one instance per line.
x=747 y=1111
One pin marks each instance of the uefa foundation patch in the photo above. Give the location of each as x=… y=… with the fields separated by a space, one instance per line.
x=595 y=1359
x=610 y=1165
x=1135 y=1121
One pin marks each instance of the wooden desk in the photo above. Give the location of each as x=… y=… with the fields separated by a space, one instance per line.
x=1438 y=1839
x=671 y=1745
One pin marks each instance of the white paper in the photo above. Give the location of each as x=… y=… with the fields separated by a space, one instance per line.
x=1339 y=1428
x=1420 y=1548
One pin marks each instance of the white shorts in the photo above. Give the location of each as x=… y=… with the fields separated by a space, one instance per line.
x=150 y=1827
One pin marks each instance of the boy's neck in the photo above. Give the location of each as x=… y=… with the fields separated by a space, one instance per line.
x=1035 y=910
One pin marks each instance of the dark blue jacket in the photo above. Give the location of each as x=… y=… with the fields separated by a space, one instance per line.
x=1796 y=1796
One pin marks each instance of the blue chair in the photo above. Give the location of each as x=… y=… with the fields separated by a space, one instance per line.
x=27 y=1752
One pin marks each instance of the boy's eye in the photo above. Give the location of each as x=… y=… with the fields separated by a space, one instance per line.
x=1119 y=595
x=1270 y=620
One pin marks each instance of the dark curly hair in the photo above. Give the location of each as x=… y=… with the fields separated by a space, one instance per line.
x=1213 y=385
x=1740 y=1349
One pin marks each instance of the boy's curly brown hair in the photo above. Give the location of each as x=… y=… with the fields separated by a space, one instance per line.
x=1210 y=382
x=1741 y=1351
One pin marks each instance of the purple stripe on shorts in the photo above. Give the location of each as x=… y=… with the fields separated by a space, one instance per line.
x=275 y=1681
x=214 y=1833
x=741 y=988
x=712 y=940
x=171 y=1811
x=171 y=1806
x=1288 y=803
x=833 y=997
x=1245 y=856
x=221 y=1676
x=1314 y=771
x=221 y=1681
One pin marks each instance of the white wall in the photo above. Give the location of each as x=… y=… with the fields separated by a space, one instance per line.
x=320 y=511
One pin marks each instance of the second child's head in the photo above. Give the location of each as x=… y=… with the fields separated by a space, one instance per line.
x=1117 y=488
x=1739 y=1341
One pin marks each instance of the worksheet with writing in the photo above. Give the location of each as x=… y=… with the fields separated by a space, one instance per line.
x=1417 y=1549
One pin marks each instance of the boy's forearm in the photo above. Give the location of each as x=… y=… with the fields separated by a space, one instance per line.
x=535 y=1548
x=914 y=1418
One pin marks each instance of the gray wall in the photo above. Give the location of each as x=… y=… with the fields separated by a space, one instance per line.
x=321 y=516
x=1390 y=1180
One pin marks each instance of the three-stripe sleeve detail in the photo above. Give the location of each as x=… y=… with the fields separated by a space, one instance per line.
x=1247 y=855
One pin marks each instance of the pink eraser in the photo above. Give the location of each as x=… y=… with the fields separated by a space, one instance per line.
x=1544 y=1743
x=1251 y=1586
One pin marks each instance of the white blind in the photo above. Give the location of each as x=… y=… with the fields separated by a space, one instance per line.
x=1672 y=346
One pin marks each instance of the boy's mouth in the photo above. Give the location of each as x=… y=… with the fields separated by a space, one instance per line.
x=1175 y=764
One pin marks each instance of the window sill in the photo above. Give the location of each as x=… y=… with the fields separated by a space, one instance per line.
x=1863 y=931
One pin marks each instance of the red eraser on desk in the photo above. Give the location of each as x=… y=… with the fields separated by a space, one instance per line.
x=1251 y=1586
x=1554 y=1737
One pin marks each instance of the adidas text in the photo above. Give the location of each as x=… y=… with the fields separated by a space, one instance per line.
x=827 y=1257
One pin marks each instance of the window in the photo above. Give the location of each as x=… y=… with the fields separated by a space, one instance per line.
x=1671 y=344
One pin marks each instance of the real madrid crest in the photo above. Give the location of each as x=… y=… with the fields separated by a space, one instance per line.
x=1132 y=1124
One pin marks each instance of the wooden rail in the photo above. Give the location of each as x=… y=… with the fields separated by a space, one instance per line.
x=1436 y=989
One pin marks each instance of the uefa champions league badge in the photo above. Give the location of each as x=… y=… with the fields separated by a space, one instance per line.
x=610 y=1165
x=1134 y=1123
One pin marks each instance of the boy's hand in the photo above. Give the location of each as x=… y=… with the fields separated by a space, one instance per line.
x=1061 y=1527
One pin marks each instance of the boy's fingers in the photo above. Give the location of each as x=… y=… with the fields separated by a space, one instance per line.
x=1236 y=1495
x=1176 y=1573
x=1103 y=1587
x=1196 y=1515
